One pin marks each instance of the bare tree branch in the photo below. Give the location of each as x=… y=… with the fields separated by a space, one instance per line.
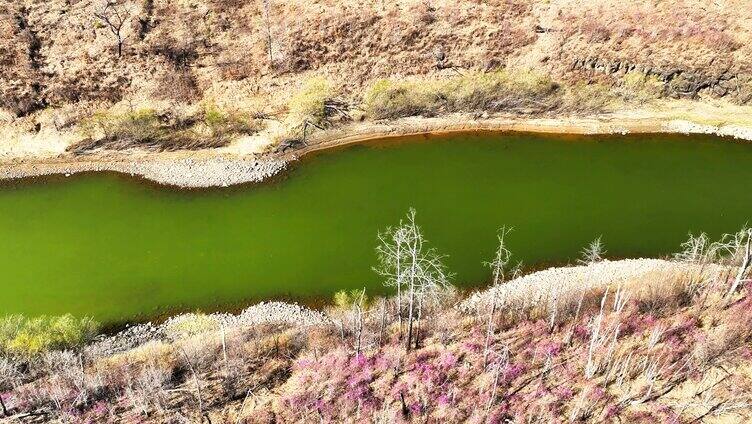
x=114 y=16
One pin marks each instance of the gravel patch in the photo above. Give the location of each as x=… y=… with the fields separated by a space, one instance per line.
x=687 y=127
x=263 y=313
x=199 y=172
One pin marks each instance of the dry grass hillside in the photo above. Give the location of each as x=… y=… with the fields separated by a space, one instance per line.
x=669 y=342
x=182 y=60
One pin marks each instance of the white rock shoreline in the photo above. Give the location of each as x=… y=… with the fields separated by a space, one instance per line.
x=186 y=172
x=535 y=288
x=531 y=289
x=222 y=168
x=275 y=313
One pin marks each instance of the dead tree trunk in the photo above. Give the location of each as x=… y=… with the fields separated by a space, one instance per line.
x=399 y=291
x=5 y=409
x=744 y=267
x=383 y=321
x=115 y=17
x=411 y=303
x=417 y=324
x=268 y=24
x=489 y=331
x=359 y=323
x=196 y=382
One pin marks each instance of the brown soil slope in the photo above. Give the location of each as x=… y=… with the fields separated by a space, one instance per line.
x=57 y=52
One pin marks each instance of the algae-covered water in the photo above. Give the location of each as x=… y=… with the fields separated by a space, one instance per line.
x=117 y=249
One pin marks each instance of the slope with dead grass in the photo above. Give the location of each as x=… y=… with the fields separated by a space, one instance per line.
x=644 y=341
x=251 y=61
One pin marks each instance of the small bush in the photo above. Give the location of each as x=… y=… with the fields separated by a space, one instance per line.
x=497 y=91
x=155 y=353
x=222 y=122
x=179 y=52
x=586 y=98
x=475 y=91
x=176 y=85
x=639 y=87
x=32 y=336
x=311 y=107
x=309 y=104
x=173 y=129
x=344 y=299
x=138 y=127
x=189 y=325
x=388 y=99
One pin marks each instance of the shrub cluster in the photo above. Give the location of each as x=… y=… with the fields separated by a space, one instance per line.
x=309 y=104
x=640 y=87
x=189 y=325
x=586 y=97
x=31 y=336
x=387 y=99
x=312 y=107
x=211 y=126
x=139 y=127
x=504 y=90
x=345 y=299
x=224 y=122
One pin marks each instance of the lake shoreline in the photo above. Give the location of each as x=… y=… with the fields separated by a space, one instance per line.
x=610 y=273
x=220 y=168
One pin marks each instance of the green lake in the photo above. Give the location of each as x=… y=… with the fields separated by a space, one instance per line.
x=118 y=248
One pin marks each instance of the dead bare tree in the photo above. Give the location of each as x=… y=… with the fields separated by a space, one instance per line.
x=267 y=6
x=383 y=321
x=502 y=361
x=498 y=269
x=115 y=16
x=358 y=307
x=196 y=383
x=592 y=253
x=746 y=257
x=390 y=253
x=414 y=268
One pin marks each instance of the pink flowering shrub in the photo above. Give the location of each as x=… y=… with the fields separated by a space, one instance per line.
x=624 y=365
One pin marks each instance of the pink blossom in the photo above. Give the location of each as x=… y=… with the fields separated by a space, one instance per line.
x=563 y=392
x=416 y=408
x=447 y=360
x=358 y=360
x=581 y=332
x=549 y=348
x=443 y=400
x=304 y=363
x=612 y=410
x=512 y=371
x=597 y=393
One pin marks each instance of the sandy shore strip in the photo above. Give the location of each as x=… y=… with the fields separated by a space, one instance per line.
x=224 y=167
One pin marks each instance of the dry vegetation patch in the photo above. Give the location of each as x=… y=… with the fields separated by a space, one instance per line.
x=637 y=341
x=394 y=59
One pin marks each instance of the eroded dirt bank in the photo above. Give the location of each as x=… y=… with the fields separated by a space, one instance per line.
x=244 y=162
x=224 y=83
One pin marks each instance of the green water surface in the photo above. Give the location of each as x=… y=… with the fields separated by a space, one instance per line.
x=118 y=248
